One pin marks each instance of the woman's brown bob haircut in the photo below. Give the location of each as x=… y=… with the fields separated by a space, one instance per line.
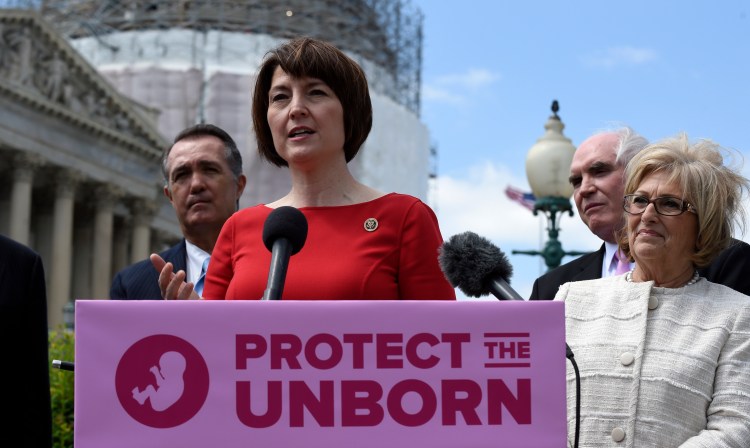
x=714 y=189
x=306 y=57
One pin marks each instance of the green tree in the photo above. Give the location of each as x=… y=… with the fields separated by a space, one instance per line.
x=62 y=347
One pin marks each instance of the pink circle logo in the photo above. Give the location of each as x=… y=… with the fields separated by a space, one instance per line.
x=162 y=381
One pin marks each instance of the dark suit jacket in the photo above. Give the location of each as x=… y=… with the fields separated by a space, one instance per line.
x=585 y=267
x=140 y=281
x=23 y=329
x=731 y=268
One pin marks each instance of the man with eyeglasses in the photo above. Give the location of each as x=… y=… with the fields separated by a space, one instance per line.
x=597 y=175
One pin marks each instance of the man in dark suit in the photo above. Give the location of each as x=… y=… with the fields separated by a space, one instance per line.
x=23 y=326
x=597 y=175
x=203 y=181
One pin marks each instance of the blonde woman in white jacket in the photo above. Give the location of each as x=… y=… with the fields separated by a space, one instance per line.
x=664 y=355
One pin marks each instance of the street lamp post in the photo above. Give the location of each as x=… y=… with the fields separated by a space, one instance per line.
x=547 y=169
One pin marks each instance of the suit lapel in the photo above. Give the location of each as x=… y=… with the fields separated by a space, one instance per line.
x=178 y=257
x=593 y=269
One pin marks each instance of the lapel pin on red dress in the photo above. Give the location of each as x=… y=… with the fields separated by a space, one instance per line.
x=371 y=224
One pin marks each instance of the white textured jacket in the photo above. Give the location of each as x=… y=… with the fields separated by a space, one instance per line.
x=660 y=367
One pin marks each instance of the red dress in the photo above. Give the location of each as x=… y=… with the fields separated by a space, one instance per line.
x=340 y=258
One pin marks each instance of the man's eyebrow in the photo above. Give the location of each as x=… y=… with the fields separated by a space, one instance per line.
x=178 y=168
x=599 y=166
x=596 y=167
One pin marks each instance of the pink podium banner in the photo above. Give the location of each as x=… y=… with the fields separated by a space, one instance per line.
x=286 y=374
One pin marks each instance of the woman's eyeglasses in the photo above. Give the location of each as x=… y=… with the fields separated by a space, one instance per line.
x=665 y=205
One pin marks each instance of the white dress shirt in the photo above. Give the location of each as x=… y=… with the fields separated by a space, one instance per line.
x=195 y=257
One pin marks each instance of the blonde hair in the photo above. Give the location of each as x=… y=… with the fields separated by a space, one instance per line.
x=714 y=189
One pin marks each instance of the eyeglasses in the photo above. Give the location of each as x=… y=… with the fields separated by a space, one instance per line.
x=664 y=205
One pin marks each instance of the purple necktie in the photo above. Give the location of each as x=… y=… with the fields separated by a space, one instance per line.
x=623 y=265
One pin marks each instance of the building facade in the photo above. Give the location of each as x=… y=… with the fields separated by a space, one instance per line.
x=196 y=61
x=81 y=180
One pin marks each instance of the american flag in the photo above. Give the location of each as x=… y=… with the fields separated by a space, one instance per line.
x=526 y=199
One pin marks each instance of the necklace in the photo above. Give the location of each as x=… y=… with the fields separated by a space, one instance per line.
x=692 y=281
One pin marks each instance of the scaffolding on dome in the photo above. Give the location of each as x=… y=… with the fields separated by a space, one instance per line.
x=386 y=32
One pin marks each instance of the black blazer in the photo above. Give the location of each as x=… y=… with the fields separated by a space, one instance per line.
x=731 y=268
x=23 y=328
x=140 y=281
x=585 y=267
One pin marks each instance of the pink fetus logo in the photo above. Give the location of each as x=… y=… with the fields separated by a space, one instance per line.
x=162 y=381
x=169 y=383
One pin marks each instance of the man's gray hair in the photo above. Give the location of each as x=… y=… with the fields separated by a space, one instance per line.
x=631 y=143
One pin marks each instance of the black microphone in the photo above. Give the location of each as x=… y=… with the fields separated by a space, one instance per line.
x=284 y=234
x=476 y=266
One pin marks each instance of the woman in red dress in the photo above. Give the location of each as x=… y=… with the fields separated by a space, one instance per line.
x=312 y=113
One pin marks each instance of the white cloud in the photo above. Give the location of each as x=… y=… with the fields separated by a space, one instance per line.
x=457 y=88
x=477 y=202
x=621 y=56
x=473 y=78
x=442 y=95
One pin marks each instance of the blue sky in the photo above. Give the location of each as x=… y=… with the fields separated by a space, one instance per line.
x=492 y=68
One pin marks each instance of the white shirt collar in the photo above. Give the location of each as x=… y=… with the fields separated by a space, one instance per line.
x=608 y=266
x=195 y=257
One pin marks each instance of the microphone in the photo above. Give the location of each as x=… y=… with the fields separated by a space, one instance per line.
x=476 y=266
x=284 y=234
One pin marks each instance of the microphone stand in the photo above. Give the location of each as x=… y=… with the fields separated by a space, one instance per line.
x=569 y=355
x=502 y=291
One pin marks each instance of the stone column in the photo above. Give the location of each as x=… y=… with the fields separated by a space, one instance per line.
x=24 y=165
x=120 y=258
x=143 y=214
x=62 y=243
x=5 y=190
x=83 y=247
x=42 y=227
x=104 y=201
